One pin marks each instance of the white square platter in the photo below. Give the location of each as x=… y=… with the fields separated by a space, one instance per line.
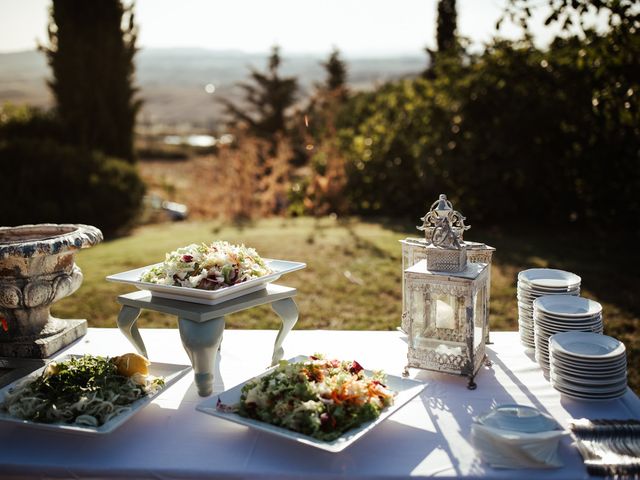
x=406 y=390
x=207 y=297
x=171 y=373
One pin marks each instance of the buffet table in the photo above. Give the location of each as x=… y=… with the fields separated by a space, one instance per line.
x=428 y=437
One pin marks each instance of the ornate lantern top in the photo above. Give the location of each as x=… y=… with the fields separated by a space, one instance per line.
x=446 y=253
x=442 y=208
x=444 y=236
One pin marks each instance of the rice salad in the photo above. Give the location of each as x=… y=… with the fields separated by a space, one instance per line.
x=208 y=267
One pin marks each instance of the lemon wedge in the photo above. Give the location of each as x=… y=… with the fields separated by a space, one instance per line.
x=131 y=364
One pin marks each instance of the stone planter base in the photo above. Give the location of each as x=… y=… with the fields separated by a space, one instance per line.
x=46 y=346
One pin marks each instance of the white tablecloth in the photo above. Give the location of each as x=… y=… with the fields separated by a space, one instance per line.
x=428 y=437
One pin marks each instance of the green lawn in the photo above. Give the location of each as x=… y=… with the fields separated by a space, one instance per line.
x=353 y=274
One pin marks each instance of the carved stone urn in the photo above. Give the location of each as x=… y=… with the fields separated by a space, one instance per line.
x=37 y=269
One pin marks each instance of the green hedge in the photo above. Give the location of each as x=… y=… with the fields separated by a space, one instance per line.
x=513 y=134
x=44 y=181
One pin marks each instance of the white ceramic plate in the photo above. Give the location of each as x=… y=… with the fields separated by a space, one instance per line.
x=586 y=345
x=594 y=364
x=567 y=306
x=207 y=297
x=525 y=306
x=528 y=288
x=549 y=320
x=553 y=329
x=581 y=374
x=526 y=317
x=547 y=332
x=604 y=383
x=543 y=319
x=589 y=397
x=406 y=390
x=171 y=373
x=529 y=297
x=549 y=278
x=526 y=333
x=586 y=374
x=530 y=334
x=588 y=389
x=518 y=418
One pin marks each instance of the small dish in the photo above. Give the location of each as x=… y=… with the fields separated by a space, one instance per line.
x=549 y=278
x=586 y=345
x=568 y=306
x=518 y=418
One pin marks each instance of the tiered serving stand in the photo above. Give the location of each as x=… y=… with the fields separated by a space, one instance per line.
x=201 y=314
x=201 y=326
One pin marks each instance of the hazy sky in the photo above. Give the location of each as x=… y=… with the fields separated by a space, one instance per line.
x=370 y=27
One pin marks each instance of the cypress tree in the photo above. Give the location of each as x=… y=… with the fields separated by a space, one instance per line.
x=267 y=99
x=336 y=70
x=92 y=45
x=446 y=36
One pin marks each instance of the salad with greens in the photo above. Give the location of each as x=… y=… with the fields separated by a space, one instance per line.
x=208 y=267
x=318 y=397
x=88 y=390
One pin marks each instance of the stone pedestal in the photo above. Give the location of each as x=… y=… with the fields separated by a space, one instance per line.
x=36 y=270
x=45 y=346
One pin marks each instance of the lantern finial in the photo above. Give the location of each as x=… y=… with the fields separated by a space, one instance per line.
x=444 y=236
x=442 y=208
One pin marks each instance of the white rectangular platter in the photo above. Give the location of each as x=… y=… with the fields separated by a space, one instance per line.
x=207 y=297
x=406 y=390
x=171 y=373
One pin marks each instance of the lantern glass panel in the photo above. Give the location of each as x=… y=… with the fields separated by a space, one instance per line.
x=418 y=312
x=445 y=311
x=478 y=317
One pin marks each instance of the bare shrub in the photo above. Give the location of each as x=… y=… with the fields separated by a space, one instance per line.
x=253 y=178
x=325 y=193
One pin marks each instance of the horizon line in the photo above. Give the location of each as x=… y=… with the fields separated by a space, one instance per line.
x=284 y=52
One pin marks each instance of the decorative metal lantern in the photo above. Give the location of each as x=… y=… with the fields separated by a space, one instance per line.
x=442 y=208
x=446 y=304
x=415 y=250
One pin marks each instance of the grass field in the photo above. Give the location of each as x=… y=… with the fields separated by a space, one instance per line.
x=353 y=276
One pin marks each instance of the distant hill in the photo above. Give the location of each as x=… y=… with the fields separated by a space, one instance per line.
x=172 y=81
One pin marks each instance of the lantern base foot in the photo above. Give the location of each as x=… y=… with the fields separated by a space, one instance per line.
x=405 y=372
x=472 y=385
x=487 y=362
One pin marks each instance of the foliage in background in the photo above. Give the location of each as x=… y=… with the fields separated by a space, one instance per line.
x=447 y=41
x=92 y=45
x=267 y=99
x=336 y=70
x=515 y=132
x=73 y=164
x=253 y=178
x=323 y=192
x=446 y=35
x=52 y=183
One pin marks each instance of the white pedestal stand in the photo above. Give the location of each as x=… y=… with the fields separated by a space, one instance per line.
x=201 y=326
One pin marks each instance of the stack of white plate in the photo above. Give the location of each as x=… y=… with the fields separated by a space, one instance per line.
x=588 y=366
x=562 y=313
x=538 y=282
